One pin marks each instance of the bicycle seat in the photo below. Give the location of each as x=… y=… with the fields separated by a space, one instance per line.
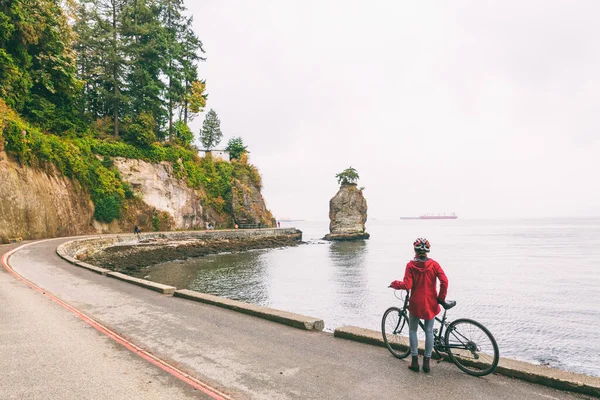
x=447 y=304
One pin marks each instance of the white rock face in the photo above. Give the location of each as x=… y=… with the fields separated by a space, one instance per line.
x=159 y=188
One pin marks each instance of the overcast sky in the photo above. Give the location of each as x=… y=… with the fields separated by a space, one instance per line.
x=483 y=108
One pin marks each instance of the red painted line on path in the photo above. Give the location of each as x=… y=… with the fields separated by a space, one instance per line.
x=165 y=366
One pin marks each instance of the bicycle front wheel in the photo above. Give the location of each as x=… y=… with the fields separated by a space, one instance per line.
x=472 y=347
x=394 y=327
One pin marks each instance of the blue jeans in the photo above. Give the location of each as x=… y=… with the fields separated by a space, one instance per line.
x=413 y=325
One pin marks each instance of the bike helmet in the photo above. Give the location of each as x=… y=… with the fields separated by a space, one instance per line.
x=421 y=246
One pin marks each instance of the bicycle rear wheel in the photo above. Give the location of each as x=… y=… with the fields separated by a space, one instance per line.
x=472 y=347
x=394 y=327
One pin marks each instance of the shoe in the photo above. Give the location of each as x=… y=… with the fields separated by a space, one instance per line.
x=414 y=365
x=426 y=364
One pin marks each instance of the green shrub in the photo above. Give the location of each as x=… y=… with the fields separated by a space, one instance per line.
x=140 y=131
x=183 y=133
x=155 y=222
x=107 y=208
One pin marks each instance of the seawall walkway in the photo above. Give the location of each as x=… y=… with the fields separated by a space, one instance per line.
x=240 y=355
x=47 y=353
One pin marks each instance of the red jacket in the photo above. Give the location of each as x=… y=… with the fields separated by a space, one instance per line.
x=419 y=278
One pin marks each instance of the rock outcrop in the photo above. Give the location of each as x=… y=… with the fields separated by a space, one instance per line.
x=39 y=203
x=347 y=214
x=248 y=204
x=157 y=185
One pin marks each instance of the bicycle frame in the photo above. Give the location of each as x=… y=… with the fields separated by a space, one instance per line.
x=438 y=342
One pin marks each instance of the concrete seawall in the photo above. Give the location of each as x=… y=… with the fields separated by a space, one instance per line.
x=282 y=317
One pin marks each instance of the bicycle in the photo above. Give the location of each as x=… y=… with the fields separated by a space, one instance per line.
x=468 y=343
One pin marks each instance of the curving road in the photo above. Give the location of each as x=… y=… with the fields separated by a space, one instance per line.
x=48 y=353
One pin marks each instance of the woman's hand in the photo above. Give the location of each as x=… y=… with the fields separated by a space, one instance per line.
x=397 y=285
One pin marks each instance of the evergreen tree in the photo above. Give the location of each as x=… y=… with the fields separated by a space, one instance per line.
x=145 y=49
x=181 y=57
x=119 y=60
x=115 y=62
x=37 y=63
x=349 y=176
x=172 y=20
x=211 y=134
x=87 y=48
x=100 y=36
x=236 y=147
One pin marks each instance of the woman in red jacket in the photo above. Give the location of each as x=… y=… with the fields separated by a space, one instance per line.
x=420 y=278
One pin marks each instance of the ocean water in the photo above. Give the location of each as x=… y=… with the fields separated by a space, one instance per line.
x=535 y=284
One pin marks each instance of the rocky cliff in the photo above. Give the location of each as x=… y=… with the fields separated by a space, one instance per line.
x=38 y=203
x=157 y=186
x=347 y=214
x=248 y=205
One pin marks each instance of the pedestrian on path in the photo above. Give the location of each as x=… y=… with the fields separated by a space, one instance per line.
x=420 y=278
x=136 y=231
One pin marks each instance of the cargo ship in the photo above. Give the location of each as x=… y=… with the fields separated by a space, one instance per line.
x=427 y=216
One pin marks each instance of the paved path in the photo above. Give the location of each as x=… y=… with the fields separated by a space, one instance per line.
x=48 y=353
x=246 y=357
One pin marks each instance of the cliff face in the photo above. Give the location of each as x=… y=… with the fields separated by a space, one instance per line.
x=157 y=186
x=37 y=204
x=347 y=214
x=248 y=204
x=41 y=203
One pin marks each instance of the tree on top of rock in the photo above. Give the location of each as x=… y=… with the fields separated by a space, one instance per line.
x=236 y=147
x=211 y=134
x=349 y=176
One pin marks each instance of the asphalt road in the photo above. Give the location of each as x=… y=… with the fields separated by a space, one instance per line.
x=246 y=357
x=48 y=353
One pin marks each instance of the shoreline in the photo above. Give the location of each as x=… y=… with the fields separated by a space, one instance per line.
x=133 y=258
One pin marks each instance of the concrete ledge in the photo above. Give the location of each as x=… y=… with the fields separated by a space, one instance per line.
x=282 y=317
x=93 y=268
x=547 y=376
x=359 y=335
x=157 y=287
x=539 y=374
x=62 y=253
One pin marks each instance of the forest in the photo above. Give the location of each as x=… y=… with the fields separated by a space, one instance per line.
x=82 y=81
